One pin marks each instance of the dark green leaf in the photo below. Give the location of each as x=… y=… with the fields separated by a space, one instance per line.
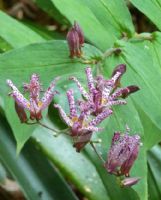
x=37 y=178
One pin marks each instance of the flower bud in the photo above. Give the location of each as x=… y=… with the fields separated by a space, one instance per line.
x=80 y=33
x=21 y=113
x=75 y=39
x=127 y=182
x=123 y=152
x=119 y=68
x=117 y=73
x=128 y=90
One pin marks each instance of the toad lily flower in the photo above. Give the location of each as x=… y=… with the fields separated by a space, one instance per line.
x=122 y=154
x=35 y=105
x=75 y=39
x=81 y=127
x=102 y=94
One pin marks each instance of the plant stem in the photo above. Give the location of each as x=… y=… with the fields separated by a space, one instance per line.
x=110 y=51
x=95 y=150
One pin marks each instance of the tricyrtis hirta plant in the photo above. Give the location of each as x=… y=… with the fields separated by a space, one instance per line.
x=87 y=113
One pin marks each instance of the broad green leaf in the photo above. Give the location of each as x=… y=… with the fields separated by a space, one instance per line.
x=37 y=178
x=48 y=60
x=126 y=114
x=151 y=8
x=93 y=29
x=75 y=166
x=15 y=33
x=139 y=72
x=114 y=15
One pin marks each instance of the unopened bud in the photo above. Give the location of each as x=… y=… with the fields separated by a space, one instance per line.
x=21 y=113
x=128 y=182
x=119 y=68
x=128 y=90
x=80 y=33
x=75 y=39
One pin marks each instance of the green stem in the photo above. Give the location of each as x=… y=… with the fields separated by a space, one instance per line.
x=110 y=51
x=95 y=150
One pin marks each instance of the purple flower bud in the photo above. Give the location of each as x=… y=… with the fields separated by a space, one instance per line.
x=119 y=68
x=122 y=154
x=128 y=182
x=118 y=72
x=80 y=33
x=128 y=90
x=21 y=113
x=75 y=39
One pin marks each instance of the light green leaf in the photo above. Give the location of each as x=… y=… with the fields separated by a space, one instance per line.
x=114 y=15
x=93 y=29
x=15 y=33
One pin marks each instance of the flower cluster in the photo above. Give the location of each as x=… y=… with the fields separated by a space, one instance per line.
x=75 y=39
x=103 y=94
x=81 y=127
x=34 y=105
x=122 y=154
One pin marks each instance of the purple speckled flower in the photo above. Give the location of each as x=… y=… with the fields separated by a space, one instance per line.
x=122 y=154
x=80 y=123
x=102 y=93
x=75 y=39
x=35 y=105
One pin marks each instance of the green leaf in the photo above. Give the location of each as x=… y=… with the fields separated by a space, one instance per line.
x=114 y=15
x=103 y=23
x=75 y=166
x=15 y=33
x=37 y=178
x=139 y=72
x=123 y=115
x=151 y=8
x=77 y=10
